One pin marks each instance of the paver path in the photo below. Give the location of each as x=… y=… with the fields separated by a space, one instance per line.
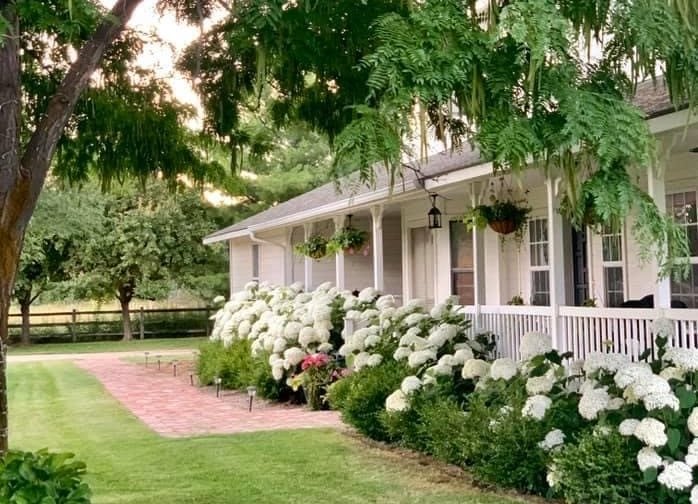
x=173 y=408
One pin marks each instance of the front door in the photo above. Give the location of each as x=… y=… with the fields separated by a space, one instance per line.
x=422 y=267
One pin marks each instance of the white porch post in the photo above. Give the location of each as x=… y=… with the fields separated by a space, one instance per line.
x=308 y=273
x=406 y=259
x=288 y=257
x=657 y=190
x=557 y=273
x=377 y=228
x=339 y=256
x=478 y=256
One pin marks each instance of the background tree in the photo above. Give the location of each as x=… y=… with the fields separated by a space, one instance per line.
x=144 y=244
x=62 y=221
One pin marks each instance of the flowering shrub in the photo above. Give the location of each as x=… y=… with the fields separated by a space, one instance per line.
x=318 y=373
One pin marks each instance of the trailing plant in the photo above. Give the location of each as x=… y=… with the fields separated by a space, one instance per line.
x=506 y=213
x=42 y=477
x=314 y=247
x=349 y=239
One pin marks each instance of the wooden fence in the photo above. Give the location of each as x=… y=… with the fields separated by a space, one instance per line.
x=94 y=325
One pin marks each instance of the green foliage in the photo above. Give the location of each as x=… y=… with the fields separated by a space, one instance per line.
x=361 y=396
x=42 y=477
x=347 y=238
x=314 y=247
x=601 y=468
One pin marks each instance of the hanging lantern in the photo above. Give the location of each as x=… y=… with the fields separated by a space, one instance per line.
x=434 y=214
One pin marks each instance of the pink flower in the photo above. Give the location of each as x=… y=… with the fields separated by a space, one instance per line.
x=315 y=360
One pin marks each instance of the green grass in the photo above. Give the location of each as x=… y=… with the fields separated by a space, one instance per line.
x=108 y=346
x=56 y=405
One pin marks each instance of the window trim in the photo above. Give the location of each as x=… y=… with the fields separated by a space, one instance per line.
x=255 y=251
x=614 y=264
x=538 y=268
x=693 y=259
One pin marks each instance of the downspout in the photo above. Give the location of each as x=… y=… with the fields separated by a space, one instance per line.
x=262 y=241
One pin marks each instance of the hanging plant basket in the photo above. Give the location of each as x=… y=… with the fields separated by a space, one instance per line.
x=503 y=227
x=315 y=247
x=348 y=239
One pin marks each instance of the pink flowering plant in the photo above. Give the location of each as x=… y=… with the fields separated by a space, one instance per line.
x=319 y=370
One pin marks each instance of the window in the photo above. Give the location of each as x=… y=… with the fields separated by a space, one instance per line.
x=682 y=206
x=540 y=262
x=462 y=275
x=612 y=262
x=255 y=262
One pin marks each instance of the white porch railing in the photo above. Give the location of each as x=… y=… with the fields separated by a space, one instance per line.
x=509 y=324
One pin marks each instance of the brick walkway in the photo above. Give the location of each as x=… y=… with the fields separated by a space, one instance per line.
x=173 y=408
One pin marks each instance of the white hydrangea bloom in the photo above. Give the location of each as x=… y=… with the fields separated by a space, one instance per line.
x=410 y=384
x=504 y=369
x=448 y=360
x=650 y=385
x=402 y=353
x=533 y=344
x=279 y=345
x=439 y=310
x=369 y=314
x=294 y=355
x=372 y=341
x=325 y=348
x=361 y=360
x=676 y=476
x=685 y=358
x=609 y=362
x=368 y=294
x=694 y=495
x=692 y=422
x=539 y=385
x=374 y=360
x=553 y=439
x=630 y=373
x=414 y=318
x=536 y=406
x=552 y=477
x=462 y=355
x=420 y=357
x=412 y=338
x=615 y=403
x=658 y=401
x=353 y=315
x=627 y=427
x=277 y=372
x=587 y=386
x=307 y=336
x=593 y=402
x=475 y=368
x=651 y=432
x=648 y=458
x=385 y=302
x=440 y=369
x=396 y=402
x=663 y=327
x=672 y=373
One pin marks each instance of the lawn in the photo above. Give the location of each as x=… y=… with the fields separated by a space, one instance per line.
x=56 y=405
x=109 y=346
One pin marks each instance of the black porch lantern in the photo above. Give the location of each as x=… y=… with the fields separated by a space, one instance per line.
x=434 y=214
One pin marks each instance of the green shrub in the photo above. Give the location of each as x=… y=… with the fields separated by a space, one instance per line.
x=233 y=364
x=601 y=468
x=361 y=396
x=42 y=477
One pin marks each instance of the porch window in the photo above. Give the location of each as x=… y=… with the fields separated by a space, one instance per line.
x=462 y=275
x=612 y=256
x=540 y=261
x=255 y=262
x=682 y=206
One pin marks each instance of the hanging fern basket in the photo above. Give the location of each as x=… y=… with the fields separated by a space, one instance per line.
x=503 y=227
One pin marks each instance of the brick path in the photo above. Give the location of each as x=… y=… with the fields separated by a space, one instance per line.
x=173 y=408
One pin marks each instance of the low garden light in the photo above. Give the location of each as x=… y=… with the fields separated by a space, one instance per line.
x=434 y=214
x=251 y=393
x=174 y=367
x=191 y=378
x=217 y=381
x=158 y=357
x=146 y=358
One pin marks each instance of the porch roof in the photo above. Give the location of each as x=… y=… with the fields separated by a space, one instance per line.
x=652 y=98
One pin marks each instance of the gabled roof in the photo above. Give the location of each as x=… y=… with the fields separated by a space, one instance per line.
x=651 y=97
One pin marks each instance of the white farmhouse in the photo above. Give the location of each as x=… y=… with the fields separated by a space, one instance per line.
x=555 y=270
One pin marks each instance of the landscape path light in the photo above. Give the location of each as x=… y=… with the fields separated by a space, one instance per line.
x=251 y=393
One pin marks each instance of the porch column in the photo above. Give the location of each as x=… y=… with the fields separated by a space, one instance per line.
x=657 y=191
x=406 y=259
x=556 y=259
x=478 y=256
x=308 y=273
x=339 y=256
x=288 y=257
x=377 y=228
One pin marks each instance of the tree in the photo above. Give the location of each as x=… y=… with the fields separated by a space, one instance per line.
x=62 y=220
x=144 y=243
x=40 y=87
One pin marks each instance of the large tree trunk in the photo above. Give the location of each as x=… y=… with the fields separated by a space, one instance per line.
x=22 y=175
x=24 y=307
x=125 y=296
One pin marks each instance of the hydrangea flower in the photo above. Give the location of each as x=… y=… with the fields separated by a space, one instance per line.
x=609 y=362
x=533 y=344
x=627 y=427
x=536 y=406
x=684 y=358
x=420 y=357
x=503 y=369
x=651 y=432
x=659 y=401
x=396 y=402
x=462 y=355
x=648 y=458
x=692 y=422
x=374 y=360
x=592 y=403
x=630 y=373
x=475 y=368
x=676 y=476
x=539 y=385
x=553 y=439
x=401 y=353
x=410 y=384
